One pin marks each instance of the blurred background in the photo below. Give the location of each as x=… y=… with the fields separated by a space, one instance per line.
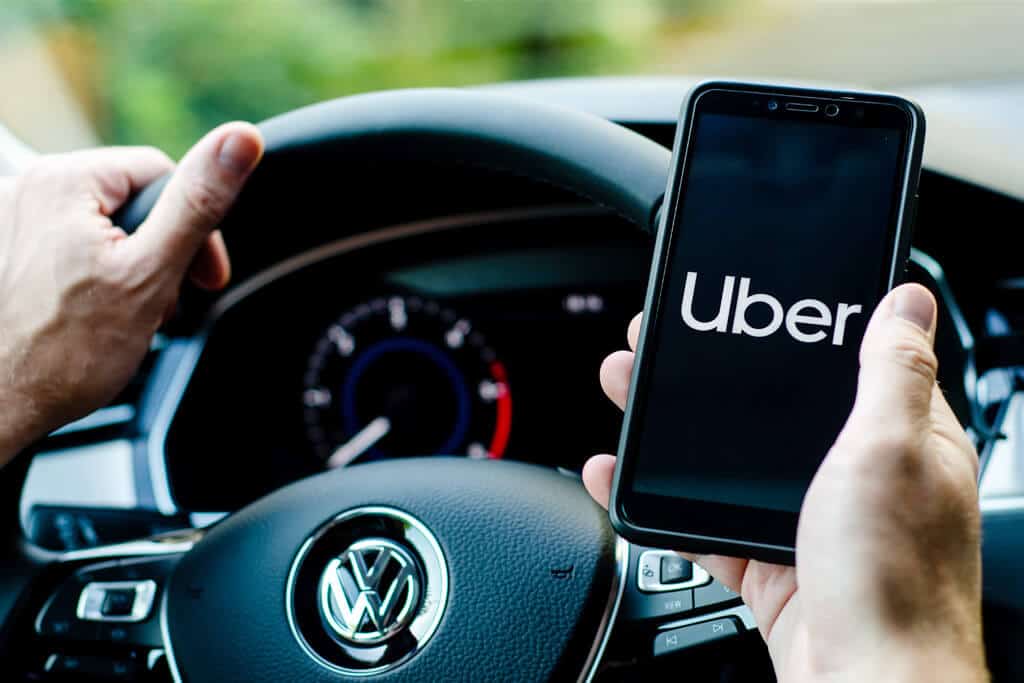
x=82 y=72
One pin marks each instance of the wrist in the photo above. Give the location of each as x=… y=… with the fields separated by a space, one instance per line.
x=15 y=425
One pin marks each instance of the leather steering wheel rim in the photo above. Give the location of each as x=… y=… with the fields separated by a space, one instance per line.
x=589 y=156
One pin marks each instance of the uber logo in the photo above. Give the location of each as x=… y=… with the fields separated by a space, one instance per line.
x=801 y=319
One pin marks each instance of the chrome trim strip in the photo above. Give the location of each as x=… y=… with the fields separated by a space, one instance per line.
x=604 y=631
x=92 y=597
x=166 y=545
x=169 y=402
x=165 y=636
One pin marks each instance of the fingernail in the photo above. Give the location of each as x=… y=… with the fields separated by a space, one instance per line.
x=239 y=153
x=916 y=305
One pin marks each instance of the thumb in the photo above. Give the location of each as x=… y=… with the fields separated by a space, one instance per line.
x=897 y=362
x=198 y=195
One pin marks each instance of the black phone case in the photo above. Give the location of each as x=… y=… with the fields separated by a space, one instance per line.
x=691 y=542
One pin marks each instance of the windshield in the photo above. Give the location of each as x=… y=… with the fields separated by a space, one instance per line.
x=83 y=72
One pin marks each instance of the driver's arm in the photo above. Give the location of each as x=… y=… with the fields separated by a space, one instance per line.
x=79 y=299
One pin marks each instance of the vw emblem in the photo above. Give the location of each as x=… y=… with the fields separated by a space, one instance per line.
x=367 y=590
x=370 y=592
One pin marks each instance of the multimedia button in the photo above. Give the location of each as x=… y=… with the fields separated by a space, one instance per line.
x=118 y=603
x=660 y=571
x=694 y=634
x=675 y=569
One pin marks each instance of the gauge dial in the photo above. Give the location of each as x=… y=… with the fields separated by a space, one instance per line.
x=402 y=376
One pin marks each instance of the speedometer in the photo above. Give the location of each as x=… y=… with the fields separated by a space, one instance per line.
x=403 y=376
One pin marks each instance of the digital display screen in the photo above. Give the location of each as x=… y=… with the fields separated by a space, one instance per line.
x=779 y=253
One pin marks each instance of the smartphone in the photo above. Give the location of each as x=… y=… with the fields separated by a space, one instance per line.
x=786 y=219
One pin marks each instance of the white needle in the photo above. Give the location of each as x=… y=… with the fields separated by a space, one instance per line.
x=360 y=443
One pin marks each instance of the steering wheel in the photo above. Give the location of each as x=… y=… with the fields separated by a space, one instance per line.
x=409 y=570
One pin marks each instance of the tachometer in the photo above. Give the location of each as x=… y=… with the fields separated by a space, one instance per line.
x=402 y=376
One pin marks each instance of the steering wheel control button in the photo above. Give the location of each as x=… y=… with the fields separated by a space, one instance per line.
x=675 y=569
x=367 y=591
x=664 y=570
x=92 y=667
x=694 y=634
x=117 y=601
x=57 y=617
x=713 y=594
x=659 y=605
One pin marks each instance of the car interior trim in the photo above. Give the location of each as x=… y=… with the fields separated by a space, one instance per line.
x=88 y=475
x=168 y=544
x=1002 y=482
x=172 y=664
x=191 y=349
x=111 y=416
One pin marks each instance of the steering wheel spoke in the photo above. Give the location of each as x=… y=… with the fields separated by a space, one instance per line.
x=669 y=605
x=96 y=612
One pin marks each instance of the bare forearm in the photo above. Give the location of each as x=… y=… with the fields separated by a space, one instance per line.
x=936 y=667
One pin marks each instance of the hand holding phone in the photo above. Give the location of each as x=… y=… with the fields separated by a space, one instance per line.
x=888 y=578
x=786 y=220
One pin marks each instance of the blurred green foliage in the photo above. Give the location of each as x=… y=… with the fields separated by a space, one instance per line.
x=164 y=71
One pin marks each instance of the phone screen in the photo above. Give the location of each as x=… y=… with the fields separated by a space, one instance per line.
x=780 y=246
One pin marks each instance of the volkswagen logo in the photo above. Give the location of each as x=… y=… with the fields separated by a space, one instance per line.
x=367 y=590
x=370 y=592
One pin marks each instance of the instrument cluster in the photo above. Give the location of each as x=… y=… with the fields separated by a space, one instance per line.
x=466 y=342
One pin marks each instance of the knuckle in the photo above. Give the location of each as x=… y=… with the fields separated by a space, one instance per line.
x=912 y=354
